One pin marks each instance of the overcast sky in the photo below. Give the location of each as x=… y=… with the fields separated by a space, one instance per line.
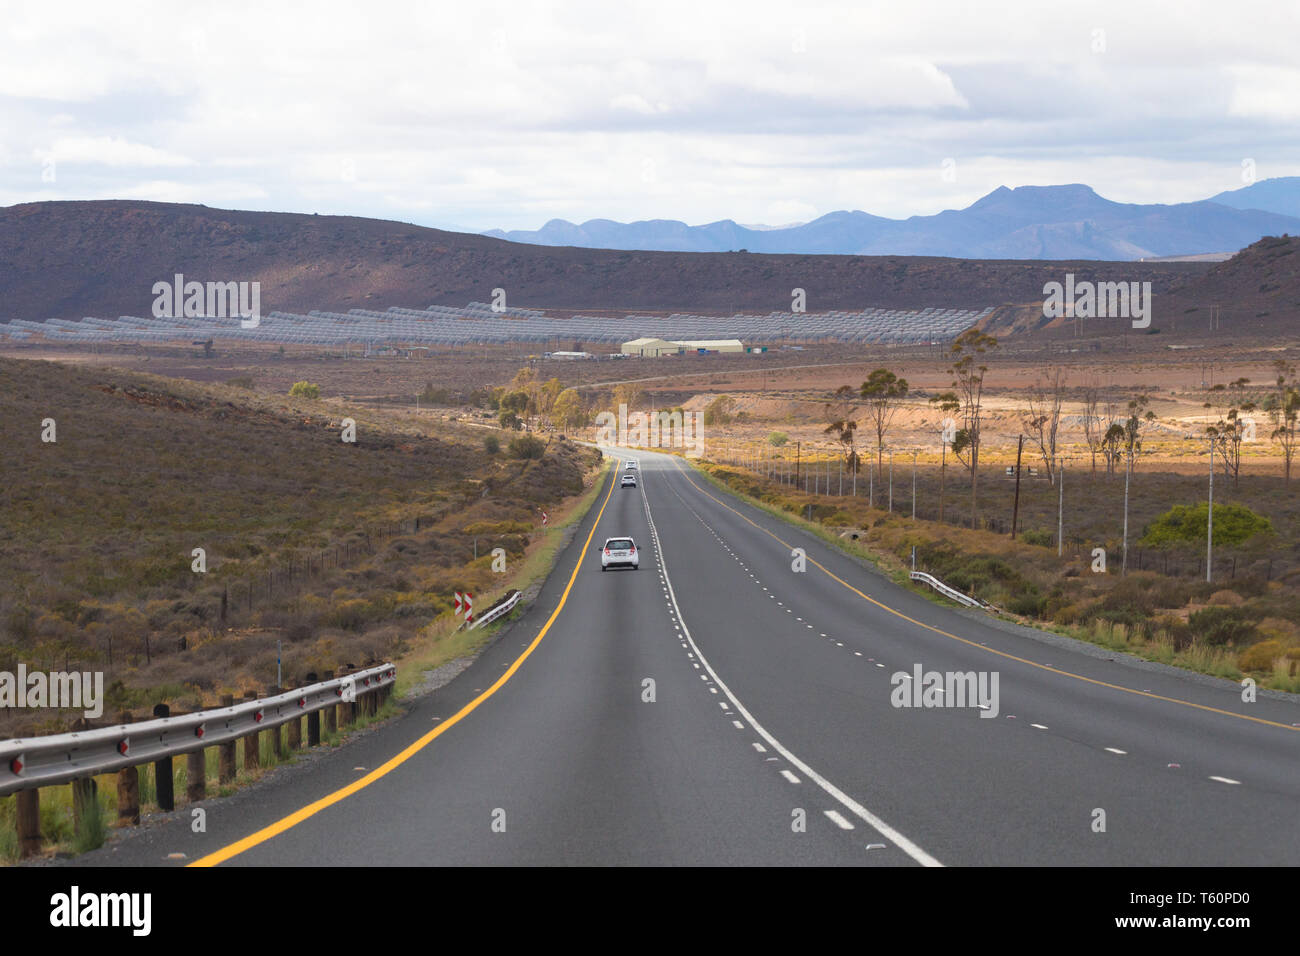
x=478 y=115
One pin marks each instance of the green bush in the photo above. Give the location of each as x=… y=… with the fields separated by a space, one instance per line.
x=304 y=390
x=492 y=445
x=527 y=446
x=1222 y=625
x=1029 y=605
x=1189 y=524
x=1038 y=536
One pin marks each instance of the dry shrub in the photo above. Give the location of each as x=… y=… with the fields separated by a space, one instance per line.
x=1227 y=598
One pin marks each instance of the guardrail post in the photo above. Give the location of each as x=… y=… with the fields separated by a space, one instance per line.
x=196 y=776
x=128 y=787
x=331 y=713
x=84 y=791
x=252 y=747
x=274 y=733
x=28 y=805
x=294 y=733
x=162 y=771
x=313 y=719
x=346 y=710
x=226 y=751
x=368 y=701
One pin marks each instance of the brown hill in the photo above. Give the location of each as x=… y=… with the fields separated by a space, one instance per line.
x=70 y=259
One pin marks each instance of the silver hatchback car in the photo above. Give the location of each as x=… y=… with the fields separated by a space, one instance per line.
x=619 y=552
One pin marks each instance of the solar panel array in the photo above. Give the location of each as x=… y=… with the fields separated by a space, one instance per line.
x=478 y=324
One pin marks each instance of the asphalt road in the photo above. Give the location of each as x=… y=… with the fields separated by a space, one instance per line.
x=771 y=737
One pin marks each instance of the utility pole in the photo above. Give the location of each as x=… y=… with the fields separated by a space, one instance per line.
x=1209 y=519
x=913 y=486
x=943 y=475
x=798 y=450
x=891 y=482
x=1060 y=510
x=1128 y=472
x=1015 y=508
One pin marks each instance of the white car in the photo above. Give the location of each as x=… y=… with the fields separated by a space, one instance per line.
x=630 y=464
x=629 y=481
x=619 y=552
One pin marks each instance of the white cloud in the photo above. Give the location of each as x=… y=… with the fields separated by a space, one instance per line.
x=509 y=114
x=112 y=151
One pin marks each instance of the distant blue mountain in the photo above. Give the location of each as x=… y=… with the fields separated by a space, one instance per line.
x=1280 y=195
x=1030 y=222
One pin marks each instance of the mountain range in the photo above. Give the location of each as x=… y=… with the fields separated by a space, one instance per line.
x=1029 y=222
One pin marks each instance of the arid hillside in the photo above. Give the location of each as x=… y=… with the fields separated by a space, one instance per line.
x=69 y=259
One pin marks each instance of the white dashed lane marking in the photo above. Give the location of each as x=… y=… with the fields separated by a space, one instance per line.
x=836 y=818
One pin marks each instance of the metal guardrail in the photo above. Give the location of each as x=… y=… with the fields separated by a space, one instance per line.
x=947 y=591
x=505 y=607
x=30 y=762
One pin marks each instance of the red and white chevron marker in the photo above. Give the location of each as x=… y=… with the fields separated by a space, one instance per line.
x=465 y=602
x=545 y=517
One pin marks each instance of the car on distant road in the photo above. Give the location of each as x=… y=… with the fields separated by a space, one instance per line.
x=630 y=464
x=629 y=481
x=619 y=552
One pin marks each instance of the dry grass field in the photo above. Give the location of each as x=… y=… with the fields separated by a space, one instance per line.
x=340 y=551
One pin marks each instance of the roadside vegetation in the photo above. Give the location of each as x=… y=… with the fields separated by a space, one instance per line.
x=981 y=530
x=322 y=551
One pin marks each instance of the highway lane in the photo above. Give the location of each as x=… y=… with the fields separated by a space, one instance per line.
x=567 y=758
x=812 y=660
x=772 y=695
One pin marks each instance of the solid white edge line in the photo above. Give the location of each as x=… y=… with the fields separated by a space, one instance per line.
x=857 y=809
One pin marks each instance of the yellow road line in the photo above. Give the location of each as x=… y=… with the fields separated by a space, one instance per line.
x=976 y=644
x=298 y=816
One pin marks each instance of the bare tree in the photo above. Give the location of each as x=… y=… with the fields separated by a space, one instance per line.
x=968 y=379
x=1109 y=419
x=1283 y=407
x=1233 y=426
x=1094 y=433
x=884 y=392
x=842 y=423
x=1044 y=417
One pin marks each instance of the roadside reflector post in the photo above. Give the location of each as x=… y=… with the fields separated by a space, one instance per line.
x=29 y=822
x=252 y=747
x=162 y=771
x=274 y=734
x=226 y=751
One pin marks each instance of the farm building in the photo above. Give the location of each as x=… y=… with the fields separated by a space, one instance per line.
x=712 y=345
x=651 y=348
